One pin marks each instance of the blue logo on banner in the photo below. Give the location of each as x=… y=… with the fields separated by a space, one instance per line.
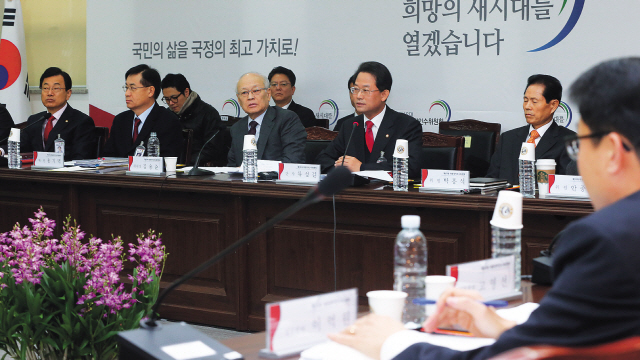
x=568 y=27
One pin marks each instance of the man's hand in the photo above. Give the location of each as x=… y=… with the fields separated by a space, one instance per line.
x=350 y=162
x=463 y=308
x=368 y=333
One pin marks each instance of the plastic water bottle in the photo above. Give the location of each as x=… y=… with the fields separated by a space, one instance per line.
x=13 y=150
x=505 y=242
x=400 y=174
x=58 y=145
x=250 y=165
x=410 y=268
x=527 y=177
x=153 y=146
x=140 y=149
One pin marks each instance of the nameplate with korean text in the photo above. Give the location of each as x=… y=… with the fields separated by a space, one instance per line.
x=299 y=173
x=450 y=180
x=567 y=186
x=47 y=160
x=145 y=165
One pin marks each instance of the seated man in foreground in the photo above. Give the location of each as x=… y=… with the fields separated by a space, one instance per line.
x=595 y=297
x=279 y=133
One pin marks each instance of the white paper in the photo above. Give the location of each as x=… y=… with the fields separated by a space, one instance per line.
x=375 y=174
x=190 y=350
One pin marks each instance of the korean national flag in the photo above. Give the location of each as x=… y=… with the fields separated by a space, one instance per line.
x=14 y=81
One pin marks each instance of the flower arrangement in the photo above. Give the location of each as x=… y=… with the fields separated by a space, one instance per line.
x=64 y=299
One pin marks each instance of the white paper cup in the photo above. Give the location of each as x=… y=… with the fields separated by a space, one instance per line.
x=508 y=211
x=387 y=302
x=170 y=163
x=543 y=189
x=544 y=168
x=402 y=149
x=528 y=152
x=249 y=142
x=436 y=285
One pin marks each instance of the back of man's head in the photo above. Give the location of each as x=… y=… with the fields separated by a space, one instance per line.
x=552 y=86
x=284 y=71
x=150 y=77
x=53 y=71
x=379 y=71
x=608 y=98
x=177 y=81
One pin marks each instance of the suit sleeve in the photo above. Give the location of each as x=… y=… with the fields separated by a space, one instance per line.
x=496 y=159
x=6 y=123
x=307 y=117
x=231 y=156
x=294 y=137
x=109 y=149
x=84 y=141
x=334 y=150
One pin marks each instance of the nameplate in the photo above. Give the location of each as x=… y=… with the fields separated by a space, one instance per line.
x=450 y=180
x=492 y=278
x=47 y=160
x=145 y=164
x=296 y=325
x=567 y=186
x=224 y=117
x=299 y=173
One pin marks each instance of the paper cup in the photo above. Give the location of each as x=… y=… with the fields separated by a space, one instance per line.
x=170 y=163
x=249 y=142
x=528 y=152
x=544 y=168
x=387 y=302
x=402 y=149
x=508 y=211
x=436 y=285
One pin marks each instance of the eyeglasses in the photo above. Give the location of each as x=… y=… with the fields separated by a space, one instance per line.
x=572 y=143
x=255 y=92
x=282 y=84
x=171 y=99
x=366 y=92
x=132 y=88
x=55 y=89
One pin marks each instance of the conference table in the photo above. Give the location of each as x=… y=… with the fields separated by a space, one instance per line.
x=303 y=255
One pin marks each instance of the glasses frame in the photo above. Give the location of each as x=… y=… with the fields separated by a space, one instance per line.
x=55 y=90
x=132 y=88
x=255 y=92
x=366 y=92
x=282 y=85
x=171 y=99
x=572 y=143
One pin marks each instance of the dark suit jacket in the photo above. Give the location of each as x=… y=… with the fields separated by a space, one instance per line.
x=6 y=123
x=394 y=126
x=595 y=297
x=204 y=119
x=282 y=137
x=160 y=120
x=504 y=162
x=74 y=126
x=305 y=114
x=349 y=118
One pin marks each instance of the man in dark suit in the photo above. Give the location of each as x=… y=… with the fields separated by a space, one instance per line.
x=349 y=118
x=379 y=128
x=283 y=85
x=6 y=123
x=131 y=127
x=279 y=133
x=595 y=297
x=541 y=99
x=60 y=119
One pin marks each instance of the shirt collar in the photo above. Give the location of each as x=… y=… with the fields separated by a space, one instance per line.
x=58 y=114
x=145 y=114
x=287 y=106
x=259 y=118
x=541 y=130
x=376 y=119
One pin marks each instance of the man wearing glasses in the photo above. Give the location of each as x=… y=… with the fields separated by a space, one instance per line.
x=541 y=99
x=279 y=132
x=197 y=115
x=283 y=85
x=131 y=127
x=378 y=128
x=60 y=119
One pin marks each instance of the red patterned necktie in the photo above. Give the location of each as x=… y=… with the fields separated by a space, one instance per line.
x=534 y=136
x=135 y=128
x=48 y=127
x=368 y=135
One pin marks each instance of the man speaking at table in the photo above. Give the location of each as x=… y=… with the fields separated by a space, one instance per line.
x=279 y=133
x=541 y=99
x=141 y=89
x=595 y=297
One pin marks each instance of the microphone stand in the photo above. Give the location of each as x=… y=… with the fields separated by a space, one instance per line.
x=195 y=170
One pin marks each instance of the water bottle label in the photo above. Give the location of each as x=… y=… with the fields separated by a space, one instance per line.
x=48 y=160
x=492 y=278
x=145 y=164
x=445 y=180
x=299 y=173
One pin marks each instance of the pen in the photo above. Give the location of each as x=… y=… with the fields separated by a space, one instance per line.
x=494 y=303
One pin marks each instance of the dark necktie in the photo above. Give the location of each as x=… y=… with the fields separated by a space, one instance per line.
x=252 y=130
x=368 y=136
x=135 y=128
x=48 y=127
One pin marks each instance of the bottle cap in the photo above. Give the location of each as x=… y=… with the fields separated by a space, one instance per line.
x=14 y=135
x=402 y=149
x=410 y=221
x=528 y=152
x=508 y=211
x=249 y=142
x=153 y=134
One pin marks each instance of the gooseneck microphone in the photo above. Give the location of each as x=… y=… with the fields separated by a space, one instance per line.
x=28 y=126
x=353 y=129
x=195 y=170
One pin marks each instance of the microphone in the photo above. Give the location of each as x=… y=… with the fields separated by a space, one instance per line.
x=144 y=342
x=197 y=171
x=28 y=126
x=355 y=125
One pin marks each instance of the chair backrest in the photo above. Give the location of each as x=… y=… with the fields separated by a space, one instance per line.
x=318 y=139
x=101 y=134
x=479 y=145
x=185 y=155
x=321 y=123
x=625 y=349
x=229 y=120
x=320 y=133
x=441 y=151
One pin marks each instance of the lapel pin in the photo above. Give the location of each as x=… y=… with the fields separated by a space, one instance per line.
x=387 y=135
x=68 y=121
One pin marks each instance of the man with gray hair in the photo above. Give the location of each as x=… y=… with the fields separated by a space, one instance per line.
x=279 y=132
